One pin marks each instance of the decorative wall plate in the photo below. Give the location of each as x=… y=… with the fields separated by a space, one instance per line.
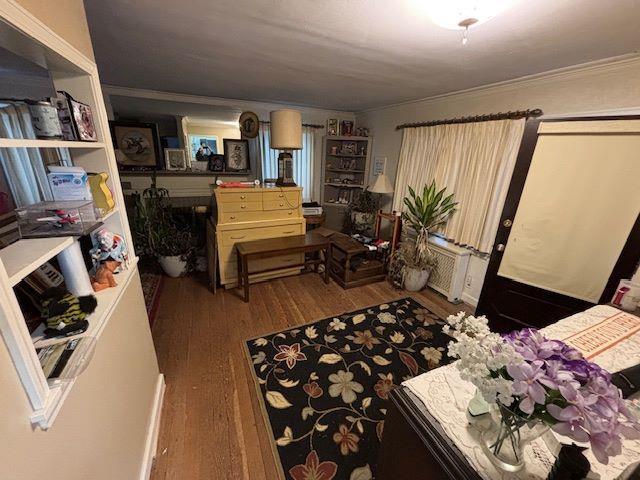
x=249 y=125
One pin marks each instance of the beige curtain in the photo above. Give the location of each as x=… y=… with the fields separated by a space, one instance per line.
x=473 y=160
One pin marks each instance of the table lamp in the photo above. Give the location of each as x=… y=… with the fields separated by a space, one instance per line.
x=286 y=135
x=382 y=185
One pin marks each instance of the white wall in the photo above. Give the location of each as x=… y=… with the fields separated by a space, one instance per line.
x=101 y=428
x=606 y=87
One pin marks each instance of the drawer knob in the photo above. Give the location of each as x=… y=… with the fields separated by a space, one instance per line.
x=290 y=212
x=282 y=204
x=242 y=197
x=281 y=195
x=232 y=217
x=243 y=206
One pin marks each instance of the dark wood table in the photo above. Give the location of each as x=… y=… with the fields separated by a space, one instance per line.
x=414 y=445
x=273 y=247
x=345 y=252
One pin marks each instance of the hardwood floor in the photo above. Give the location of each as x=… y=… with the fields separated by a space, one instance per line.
x=211 y=425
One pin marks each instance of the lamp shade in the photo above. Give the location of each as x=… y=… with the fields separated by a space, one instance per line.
x=286 y=130
x=381 y=185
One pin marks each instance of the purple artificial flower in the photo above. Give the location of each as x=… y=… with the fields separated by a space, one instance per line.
x=570 y=423
x=525 y=384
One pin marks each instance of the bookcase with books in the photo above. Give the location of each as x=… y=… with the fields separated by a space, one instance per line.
x=345 y=173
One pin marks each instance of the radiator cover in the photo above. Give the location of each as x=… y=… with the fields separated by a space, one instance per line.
x=448 y=275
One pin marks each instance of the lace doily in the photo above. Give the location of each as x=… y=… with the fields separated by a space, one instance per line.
x=447 y=396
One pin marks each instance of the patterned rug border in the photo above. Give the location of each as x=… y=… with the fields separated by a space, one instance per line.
x=256 y=385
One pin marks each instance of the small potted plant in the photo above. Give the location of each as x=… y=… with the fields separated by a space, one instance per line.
x=157 y=234
x=361 y=213
x=413 y=261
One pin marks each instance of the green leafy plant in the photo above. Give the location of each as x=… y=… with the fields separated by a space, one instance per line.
x=156 y=232
x=430 y=210
x=424 y=213
x=360 y=213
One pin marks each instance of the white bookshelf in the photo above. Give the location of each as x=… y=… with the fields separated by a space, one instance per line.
x=71 y=71
x=340 y=179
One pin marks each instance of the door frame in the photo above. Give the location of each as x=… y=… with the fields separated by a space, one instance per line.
x=624 y=266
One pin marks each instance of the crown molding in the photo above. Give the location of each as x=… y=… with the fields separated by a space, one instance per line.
x=237 y=104
x=565 y=73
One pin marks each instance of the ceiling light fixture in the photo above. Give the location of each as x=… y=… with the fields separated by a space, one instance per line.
x=463 y=14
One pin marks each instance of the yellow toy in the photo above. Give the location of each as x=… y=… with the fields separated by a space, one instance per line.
x=102 y=196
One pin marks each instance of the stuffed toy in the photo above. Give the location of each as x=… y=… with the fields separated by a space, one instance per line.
x=65 y=314
x=108 y=246
x=104 y=277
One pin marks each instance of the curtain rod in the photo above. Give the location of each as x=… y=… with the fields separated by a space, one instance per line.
x=478 y=118
x=310 y=125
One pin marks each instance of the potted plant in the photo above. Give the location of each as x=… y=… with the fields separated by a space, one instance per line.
x=157 y=233
x=361 y=213
x=424 y=214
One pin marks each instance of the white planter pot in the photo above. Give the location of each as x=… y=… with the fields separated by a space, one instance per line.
x=415 y=280
x=173 y=266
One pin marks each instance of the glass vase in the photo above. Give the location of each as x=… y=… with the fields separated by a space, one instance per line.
x=510 y=433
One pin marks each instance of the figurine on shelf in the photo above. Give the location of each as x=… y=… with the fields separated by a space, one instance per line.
x=104 y=277
x=109 y=246
x=64 y=314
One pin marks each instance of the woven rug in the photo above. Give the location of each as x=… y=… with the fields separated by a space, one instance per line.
x=151 y=288
x=324 y=386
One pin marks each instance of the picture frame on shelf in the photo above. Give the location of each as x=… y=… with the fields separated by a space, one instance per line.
x=83 y=122
x=346 y=128
x=202 y=147
x=216 y=163
x=236 y=155
x=175 y=159
x=332 y=127
x=137 y=145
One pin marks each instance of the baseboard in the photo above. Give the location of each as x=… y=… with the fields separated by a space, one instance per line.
x=153 y=427
x=469 y=300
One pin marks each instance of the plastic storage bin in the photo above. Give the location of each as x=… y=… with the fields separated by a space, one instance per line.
x=56 y=219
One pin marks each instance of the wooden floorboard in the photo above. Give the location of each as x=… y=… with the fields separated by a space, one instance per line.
x=212 y=426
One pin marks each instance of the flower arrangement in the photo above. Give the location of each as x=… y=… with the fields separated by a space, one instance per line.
x=545 y=380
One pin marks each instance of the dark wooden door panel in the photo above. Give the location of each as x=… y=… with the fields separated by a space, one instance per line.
x=511 y=305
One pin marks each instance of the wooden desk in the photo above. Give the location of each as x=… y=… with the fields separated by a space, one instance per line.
x=273 y=247
x=344 y=251
x=414 y=446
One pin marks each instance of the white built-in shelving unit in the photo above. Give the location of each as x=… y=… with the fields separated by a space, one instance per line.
x=75 y=73
x=340 y=180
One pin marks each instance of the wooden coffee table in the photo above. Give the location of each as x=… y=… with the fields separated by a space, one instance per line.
x=273 y=247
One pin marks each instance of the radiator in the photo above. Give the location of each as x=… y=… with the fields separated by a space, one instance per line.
x=448 y=275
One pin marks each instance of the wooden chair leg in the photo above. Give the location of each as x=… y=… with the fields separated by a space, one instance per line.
x=245 y=277
x=327 y=256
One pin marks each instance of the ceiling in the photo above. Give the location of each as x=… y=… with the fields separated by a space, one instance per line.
x=343 y=54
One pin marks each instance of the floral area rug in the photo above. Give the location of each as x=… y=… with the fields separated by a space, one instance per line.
x=324 y=386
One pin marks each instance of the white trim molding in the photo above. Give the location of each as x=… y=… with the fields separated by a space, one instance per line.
x=153 y=429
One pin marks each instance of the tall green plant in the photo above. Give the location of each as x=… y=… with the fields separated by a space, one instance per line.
x=155 y=230
x=426 y=212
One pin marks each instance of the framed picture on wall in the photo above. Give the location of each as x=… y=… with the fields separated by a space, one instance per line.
x=137 y=145
x=236 y=155
x=379 y=164
x=202 y=147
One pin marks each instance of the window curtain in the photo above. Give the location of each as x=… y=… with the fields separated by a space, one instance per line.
x=474 y=161
x=24 y=168
x=303 y=160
